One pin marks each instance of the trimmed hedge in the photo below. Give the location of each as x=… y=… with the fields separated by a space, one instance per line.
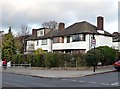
x=103 y=54
x=50 y=60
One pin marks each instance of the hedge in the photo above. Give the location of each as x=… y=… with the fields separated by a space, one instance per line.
x=103 y=54
x=49 y=59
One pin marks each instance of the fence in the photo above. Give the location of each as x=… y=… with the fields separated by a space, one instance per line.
x=20 y=65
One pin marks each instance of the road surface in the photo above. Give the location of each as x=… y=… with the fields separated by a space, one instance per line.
x=100 y=80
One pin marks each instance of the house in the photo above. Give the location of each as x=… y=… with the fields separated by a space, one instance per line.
x=78 y=37
x=116 y=40
x=40 y=38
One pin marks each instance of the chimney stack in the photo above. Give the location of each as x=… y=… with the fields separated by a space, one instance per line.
x=100 y=23
x=61 y=26
x=34 y=32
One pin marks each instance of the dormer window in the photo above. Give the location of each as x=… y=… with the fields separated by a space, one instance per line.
x=40 y=33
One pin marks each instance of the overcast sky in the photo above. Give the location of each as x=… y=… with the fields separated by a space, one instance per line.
x=33 y=13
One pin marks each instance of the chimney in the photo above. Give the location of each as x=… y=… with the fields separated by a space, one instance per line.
x=61 y=26
x=34 y=32
x=100 y=23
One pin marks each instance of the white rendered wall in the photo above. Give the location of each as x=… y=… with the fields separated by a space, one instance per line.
x=72 y=45
x=102 y=40
x=43 y=47
x=115 y=45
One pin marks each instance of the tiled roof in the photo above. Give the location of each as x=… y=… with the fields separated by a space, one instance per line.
x=76 y=28
x=79 y=27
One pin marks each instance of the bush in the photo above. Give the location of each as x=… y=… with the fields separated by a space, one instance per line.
x=51 y=60
x=93 y=57
x=104 y=54
x=109 y=55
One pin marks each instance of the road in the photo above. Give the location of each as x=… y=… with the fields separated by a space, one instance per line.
x=100 y=80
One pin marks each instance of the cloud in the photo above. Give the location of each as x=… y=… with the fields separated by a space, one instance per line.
x=30 y=12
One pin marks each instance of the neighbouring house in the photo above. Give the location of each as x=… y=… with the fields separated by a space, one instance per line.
x=77 y=37
x=116 y=40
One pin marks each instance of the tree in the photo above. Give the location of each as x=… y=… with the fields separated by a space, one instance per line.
x=50 y=24
x=24 y=31
x=20 y=42
x=8 y=48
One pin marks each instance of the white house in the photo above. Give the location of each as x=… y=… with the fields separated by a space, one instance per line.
x=77 y=37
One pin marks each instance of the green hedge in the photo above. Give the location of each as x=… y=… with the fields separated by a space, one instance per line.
x=50 y=59
x=103 y=54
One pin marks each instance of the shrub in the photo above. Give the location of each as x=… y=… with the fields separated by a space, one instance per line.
x=39 y=51
x=93 y=57
x=51 y=60
x=103 y=54
x=109 y=55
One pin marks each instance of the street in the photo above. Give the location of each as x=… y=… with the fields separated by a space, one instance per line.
x=100 y=80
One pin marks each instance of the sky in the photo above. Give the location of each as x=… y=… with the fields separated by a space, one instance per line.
x=33 y=13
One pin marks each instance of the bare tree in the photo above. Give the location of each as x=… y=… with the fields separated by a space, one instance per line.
x=22 y=34
x=50 y=24
x=24 y=31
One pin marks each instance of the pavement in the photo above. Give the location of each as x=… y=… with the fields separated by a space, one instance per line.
x=57 y=73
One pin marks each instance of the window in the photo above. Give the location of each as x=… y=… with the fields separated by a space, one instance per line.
x=58 y=40
x=44 y=42
x=37 y=43
x=30 y=43
x=78 y=37
x=82 y=37
x=55 y=40
x=40 y=33
x=68 y=39
x=61 y=40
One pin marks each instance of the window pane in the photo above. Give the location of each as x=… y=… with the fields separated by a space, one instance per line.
x=68 y=39
x=78 y=37
x=61 y=40
x=44 y=42
x=55 y=40
x=40 y=33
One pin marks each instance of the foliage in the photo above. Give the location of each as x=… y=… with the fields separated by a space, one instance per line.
x=18 y=45
x=50 y=59
x=8 y=48
x=104 y=54
x=39 y=51
x=109 y=55
x=20 y=41
x=93 y=57
x=118 y=56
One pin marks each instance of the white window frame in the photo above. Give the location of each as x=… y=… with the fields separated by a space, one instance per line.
x=44 y=42
x=40 y=33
